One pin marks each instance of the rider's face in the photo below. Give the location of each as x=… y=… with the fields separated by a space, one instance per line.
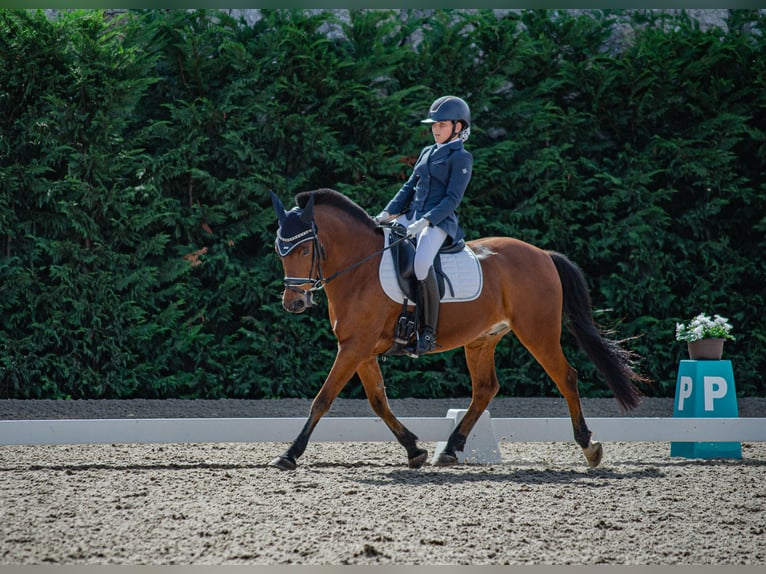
x=442 y=131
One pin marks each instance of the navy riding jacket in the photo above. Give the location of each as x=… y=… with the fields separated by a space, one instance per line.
x=436 y=187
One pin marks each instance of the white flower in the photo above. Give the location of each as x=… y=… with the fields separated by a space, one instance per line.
x=704 y=327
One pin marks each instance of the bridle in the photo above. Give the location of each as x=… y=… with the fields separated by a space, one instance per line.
x=319 y=281
x=293 y=283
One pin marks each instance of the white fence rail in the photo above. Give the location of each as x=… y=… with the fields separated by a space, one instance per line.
x=363 y=429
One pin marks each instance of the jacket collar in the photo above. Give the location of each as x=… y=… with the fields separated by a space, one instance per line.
x=446 y=149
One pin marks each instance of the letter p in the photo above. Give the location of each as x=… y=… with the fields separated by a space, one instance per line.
x=715 y=388
x=685 y=392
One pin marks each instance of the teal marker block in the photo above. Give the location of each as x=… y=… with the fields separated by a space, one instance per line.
x=706 y=389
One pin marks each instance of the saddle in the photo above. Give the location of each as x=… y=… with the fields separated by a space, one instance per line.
x=403 y=255
x=454 y=262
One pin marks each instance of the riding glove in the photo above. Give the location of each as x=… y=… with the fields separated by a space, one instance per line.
x=415 y=228
x=381 y=217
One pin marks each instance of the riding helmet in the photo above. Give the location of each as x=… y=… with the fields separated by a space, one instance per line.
x=449 y=108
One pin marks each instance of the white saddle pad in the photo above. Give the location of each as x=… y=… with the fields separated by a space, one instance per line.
x=463 y=270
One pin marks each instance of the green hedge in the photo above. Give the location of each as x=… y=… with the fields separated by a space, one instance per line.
x=137 y=152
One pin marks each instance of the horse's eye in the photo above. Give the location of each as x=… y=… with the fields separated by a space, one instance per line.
x=305 y=251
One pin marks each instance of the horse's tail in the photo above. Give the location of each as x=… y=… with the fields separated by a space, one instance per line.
x=610 y=358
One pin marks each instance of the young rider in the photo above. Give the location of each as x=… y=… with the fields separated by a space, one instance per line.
x=426 y=203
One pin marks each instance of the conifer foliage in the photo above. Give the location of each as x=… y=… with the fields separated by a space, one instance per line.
x=137 y=153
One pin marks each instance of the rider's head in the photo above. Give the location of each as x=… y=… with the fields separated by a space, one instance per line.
x=450 y=116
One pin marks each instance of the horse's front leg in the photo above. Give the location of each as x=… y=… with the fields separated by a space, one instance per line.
x=372 y=380
x=343 y=368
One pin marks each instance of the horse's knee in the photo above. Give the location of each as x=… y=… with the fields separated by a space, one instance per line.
x=485 y=388
x=379 y=406
x=319 y=407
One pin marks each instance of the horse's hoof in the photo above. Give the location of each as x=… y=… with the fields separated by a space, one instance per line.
x=284 y=463
x=446 y=459
x=419 y=459
x=593 y=453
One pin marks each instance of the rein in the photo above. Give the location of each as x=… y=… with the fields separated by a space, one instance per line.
x=320 y=282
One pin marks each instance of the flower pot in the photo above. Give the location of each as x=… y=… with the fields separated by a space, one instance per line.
x=705 y=349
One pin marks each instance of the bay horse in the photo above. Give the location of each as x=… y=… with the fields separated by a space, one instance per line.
x=328 y=242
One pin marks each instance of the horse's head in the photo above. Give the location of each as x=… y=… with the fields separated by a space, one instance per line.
x=298 y=247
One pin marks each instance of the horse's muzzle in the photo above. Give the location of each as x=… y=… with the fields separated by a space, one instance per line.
x=297 y=302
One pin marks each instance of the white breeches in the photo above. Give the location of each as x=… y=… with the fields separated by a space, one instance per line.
x=429 y=242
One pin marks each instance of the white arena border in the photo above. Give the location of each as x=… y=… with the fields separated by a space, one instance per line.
x=484 y=437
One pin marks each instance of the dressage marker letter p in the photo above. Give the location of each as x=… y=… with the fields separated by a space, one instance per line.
x=715 y=388
x=705 y=389
x=685 y=391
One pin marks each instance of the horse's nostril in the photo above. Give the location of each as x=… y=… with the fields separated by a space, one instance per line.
x=296 y=306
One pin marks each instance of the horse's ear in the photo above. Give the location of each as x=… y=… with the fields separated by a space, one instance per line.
x=308 y=211
x=278 y=207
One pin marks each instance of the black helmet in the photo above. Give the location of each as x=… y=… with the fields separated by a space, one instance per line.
x=449 y=108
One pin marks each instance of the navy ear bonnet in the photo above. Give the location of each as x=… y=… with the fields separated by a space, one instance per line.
x=295 y=226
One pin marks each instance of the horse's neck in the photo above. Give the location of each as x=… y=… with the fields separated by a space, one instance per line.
x=346 y=242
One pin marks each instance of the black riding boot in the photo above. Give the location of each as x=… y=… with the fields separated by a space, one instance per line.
x=428 y=303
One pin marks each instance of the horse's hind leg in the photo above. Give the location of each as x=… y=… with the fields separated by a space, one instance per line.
x=552 y=359
x=592 y=450
x=372 y=380
x=480 y=358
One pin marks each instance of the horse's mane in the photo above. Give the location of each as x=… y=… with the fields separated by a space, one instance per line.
x=326 y=196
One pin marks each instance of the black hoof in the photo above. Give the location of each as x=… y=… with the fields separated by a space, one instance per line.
x=284 y=463
x=419 y=459
x=446 y=459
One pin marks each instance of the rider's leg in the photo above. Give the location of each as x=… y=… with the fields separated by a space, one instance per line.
x=430 y=241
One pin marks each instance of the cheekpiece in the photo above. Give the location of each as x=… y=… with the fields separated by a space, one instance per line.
x=293 y=231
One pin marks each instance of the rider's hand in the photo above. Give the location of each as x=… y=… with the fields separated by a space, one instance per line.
x=415 y=228
x=381 y=217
